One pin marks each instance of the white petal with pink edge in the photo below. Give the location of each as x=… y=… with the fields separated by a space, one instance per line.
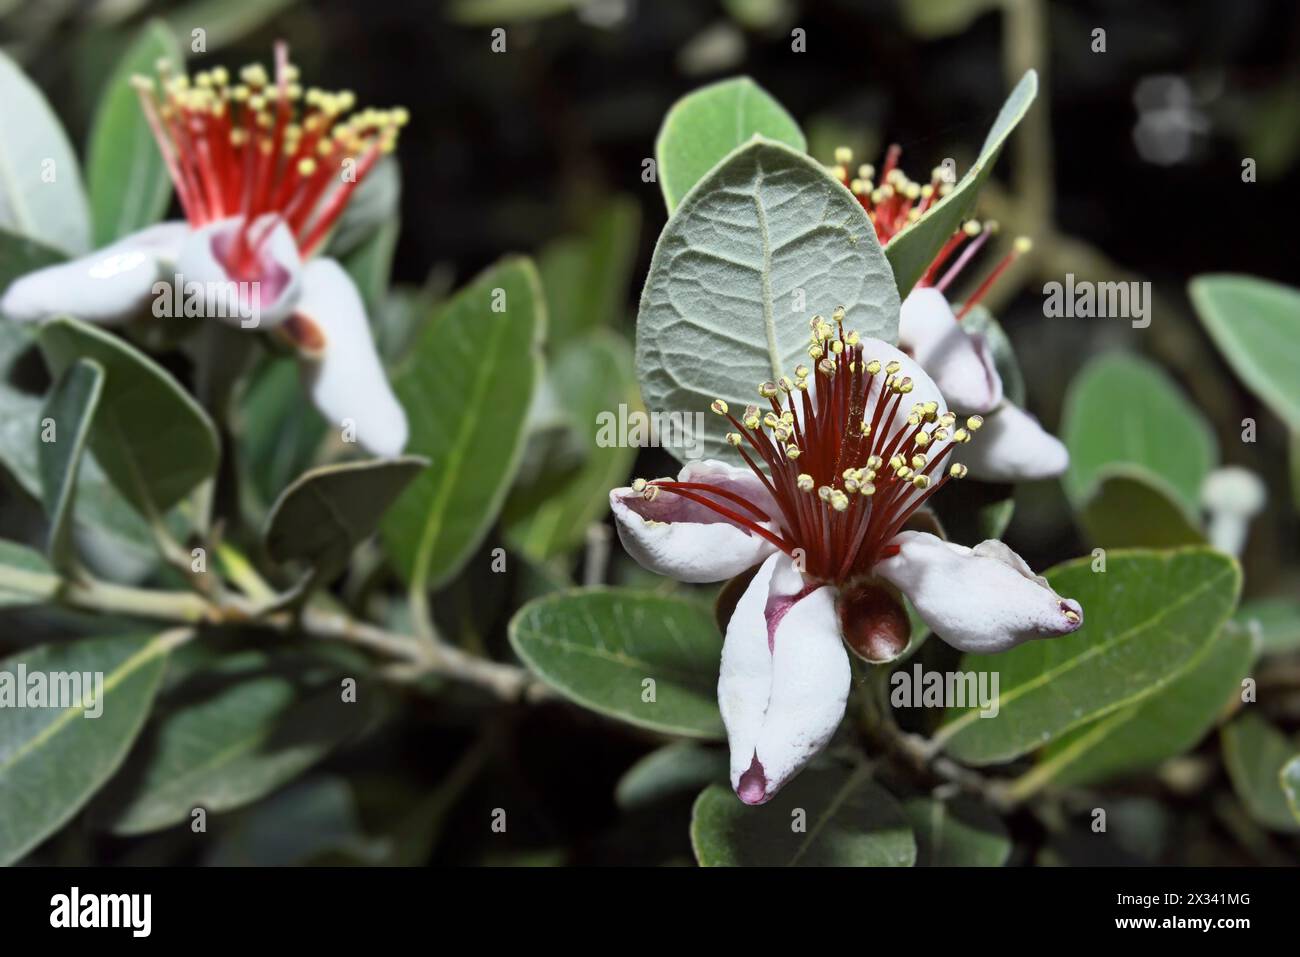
x=674 y=536
x=110 y=285
x=783 y=681
x=983 y=599
x=1012 y=447
x=246 y=278
x=960 y=363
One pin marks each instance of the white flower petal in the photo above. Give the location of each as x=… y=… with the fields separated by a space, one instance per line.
x=960 y=362
x=784 y=679
x=346 y=379
x=983 y=599
x=263 y=298
x=1012 y=447
x=682 y=539
x=109 y=285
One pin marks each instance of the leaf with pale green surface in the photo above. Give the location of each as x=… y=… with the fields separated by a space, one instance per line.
x=126 y=176
x=278 y=432
x=41 y=195
x=153 y=440
x=331 y=510
x=70 y=410
x=26 y=578
x=586 y=275
x=1135 y=508
x=53 y=759
x=911 y=251
x=958 y=832
x=683 y=767
x=598 y=646
x=1275 y=622
x=1256 y=325
x=850 y=822
x=1255 y=754
x=20 y=255
x=1159 y=727
x=1290 y=778
x=706 y=125
x=374 y=205
x=466 y=388
x=764 y=241
x=1145 y=619
x=1124 y=409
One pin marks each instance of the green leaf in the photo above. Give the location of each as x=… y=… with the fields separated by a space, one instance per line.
x=479 y=12
x=959 y=832
x=911 y=251
x=764 y=241
x=1159 y=727
x=1256 y=325
x=599 y=646
x=374 y=206
x=1135 y=508
x=26 y=578
x=53 y=759
x=848 y=822
x=41 y=196
x=371 y=262
x=128 y=180
x=683 y=767
x=150 y=436
x=223 y=21
x=1290 y=778
x=592 y=378
x=279 y=433
x=20 y=255
x=940 y=18
x=586 y=276
x=466 y=389
x=70 y=410
x=1273 y=622
x=1145 y=619
x=331 y=510
x=227 y=738
x=1124 y=409
x=1256 y=753
x=704 y=126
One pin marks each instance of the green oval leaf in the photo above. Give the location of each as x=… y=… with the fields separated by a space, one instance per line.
x=599 y=646
x=764 y=241
x=683 y=767
x=1146 y=618
x=848 y=821
x=1134 y=508
x=70 y=408
x=1255 y=754
x=53 y=759
x=586 y=275
x=153 y=440
x=26 y=578
x=1124 y=409
x=959 y=832
x=20 y=255
x=1273 y=622
x=466 y=389
x=128 y=180
x=911 y=251
x=40 y=182
x=704 y=126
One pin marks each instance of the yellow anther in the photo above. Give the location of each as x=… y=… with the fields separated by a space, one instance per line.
x=1023 y=244
x=852 y=338
x=719 y=406
x=837 y=347
x=781 y=435
x=815 y=352
x=838 y=315
x=974 y=422
x=865 y=428
x=827 y=368
x=785 y=384
x=904 y=473
x=921 y=481
x=939 y=434
x=804 y=482
x=771 y=421
x=859 y=187
x=867 y=488
x=1071 y=615
x=971 y=227
x=733 y=438
x=922 y=439
x=874 y=462
x=957 y=470
x=897 y=462
x=961 y=436
x=638 y=485
x=904 y=387
x=873 y=367
x=866 y=171
x=839 y=172
x=306 y=166
x=824 y=493
x=839 y=501
x=893 y=367
x=767 y=390
x=651 y=493
x=792 y=452
x=919 y=461
x=843 y=155
x=801 y=371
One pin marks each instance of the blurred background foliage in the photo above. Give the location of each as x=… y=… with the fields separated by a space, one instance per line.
x=1128 y=167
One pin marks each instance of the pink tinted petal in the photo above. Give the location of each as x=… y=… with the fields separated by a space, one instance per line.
x=960 y=363
x=260 y=298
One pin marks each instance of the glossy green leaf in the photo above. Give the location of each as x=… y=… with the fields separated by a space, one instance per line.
x=765 y=241
x=127 y=178
x=41 y=195
x=371 y=262
x=331 y=510
x=69 y=410
x=593 y=378
x=586 y=276
x=374 y=205
x=1256 y=325
x=704 y=126
x=26 y=578
x=1124 y=409
x=958 y=832
x=1159 y=727
x=223 y=21
x=1255 y=754
x=1135 y=508
x=1273 y=622
x=911 y=251
x=279 y=433
x=1146 y=618
x=823 y=818
x=683 y=767
x=52 y=759
x=466 y=389
x=150 y=436
x=645 y=659
x=20 y=255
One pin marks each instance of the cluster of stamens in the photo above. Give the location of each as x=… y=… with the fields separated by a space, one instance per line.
x=264 y=145
x=845 y=469
x=897 y=202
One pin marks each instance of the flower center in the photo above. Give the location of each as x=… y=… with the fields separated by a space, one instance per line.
x=898 y=202
x=259 y=147
x=845 y=465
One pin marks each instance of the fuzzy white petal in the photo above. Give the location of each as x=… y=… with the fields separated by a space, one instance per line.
x=983 y=599
x=681 y=539
x=784 y=679
x=347 y=380
x=1012 y=447
x=109 y=285
x=262 y=299
x=961 y=363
